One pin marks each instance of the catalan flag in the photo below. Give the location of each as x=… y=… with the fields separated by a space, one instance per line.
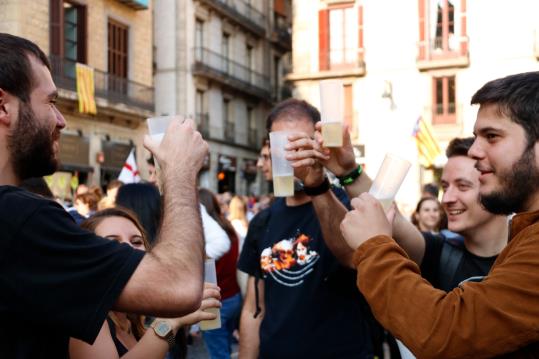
x=427 y=147
x=86 y=89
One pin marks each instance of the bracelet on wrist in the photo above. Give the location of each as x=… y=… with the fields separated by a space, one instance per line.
x=350 y=178
x=318 y=190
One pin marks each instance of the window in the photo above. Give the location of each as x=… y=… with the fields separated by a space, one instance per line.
x=117 y=56
x=67 y=35
x=201 y=115
x=249 y=61
x=444 y=100
x=225 y=51
x=199 y=39
x=227 y=121
x=340 y=37
x=276 y=77
x=442 y=29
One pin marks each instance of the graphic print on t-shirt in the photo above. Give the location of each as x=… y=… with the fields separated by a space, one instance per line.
x=289 y=260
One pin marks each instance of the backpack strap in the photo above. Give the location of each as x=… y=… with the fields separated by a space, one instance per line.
x=450 y=258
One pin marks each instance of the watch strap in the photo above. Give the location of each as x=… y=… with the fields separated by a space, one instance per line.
x=350 y=178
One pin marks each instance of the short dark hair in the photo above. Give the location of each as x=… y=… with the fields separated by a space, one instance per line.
x=15 y=70
x=517 y=97
x=459 y=147
x=293 y=108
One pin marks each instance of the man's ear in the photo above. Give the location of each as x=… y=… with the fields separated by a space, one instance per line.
x=7 y=107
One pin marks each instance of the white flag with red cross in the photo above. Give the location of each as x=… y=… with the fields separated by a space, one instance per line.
x=130 y=173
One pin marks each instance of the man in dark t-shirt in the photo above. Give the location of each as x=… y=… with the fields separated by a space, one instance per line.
x=58 y=281
x=309 y=303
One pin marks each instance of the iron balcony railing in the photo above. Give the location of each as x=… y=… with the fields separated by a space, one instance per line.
x=241 y=12
x=203 y=123
x=107 y=86
x=230 y=73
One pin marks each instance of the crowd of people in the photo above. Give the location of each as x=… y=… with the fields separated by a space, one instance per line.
x=323 y=273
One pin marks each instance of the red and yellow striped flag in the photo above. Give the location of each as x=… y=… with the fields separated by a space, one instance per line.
x=427 y=146
x=86 y=89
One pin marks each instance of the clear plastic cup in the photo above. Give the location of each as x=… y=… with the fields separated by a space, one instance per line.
x=389 y=179
x=158 y=125
x=331 y=111
x=282 y=171
x=210 y=276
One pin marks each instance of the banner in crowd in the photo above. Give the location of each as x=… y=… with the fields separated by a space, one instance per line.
x=427 y=146
x=130 y=173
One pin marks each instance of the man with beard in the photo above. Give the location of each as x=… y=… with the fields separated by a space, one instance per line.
x=57 y=280
x=307 y=309
x=494 y=317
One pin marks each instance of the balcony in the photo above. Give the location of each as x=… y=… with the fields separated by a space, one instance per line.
x=215 y=66
x=336 y=63
x=203 y=124
x=440 y=53
x=230 y=132
x=240 y=13
x=280 y=35
x=252 y=137
x=107 y=86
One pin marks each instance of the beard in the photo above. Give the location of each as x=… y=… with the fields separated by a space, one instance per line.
x=518 y=185
x=30 y=146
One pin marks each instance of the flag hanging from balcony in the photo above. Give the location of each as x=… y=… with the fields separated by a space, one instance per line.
x=427 y=146
x=130 y=173
x=86 y=89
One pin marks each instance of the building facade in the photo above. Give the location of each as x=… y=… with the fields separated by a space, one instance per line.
x=114 y=38
x=223 y=62
x=404 y=60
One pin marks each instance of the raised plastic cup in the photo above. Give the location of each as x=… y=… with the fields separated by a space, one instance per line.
x=331 y=111
x=282 y=171
x=158 y=125
x=210 y=276
x=389 y=179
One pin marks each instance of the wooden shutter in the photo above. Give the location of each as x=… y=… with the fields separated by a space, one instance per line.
x=361 y=51
x=463 y=35
x=81 y=34
x=422 y=46
x=56 y=27
x=323 y=39
x=279 y=7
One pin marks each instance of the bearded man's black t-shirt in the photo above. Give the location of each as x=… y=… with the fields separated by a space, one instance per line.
x=57 y=280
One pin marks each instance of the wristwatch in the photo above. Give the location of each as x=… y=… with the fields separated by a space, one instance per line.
x=163 y=330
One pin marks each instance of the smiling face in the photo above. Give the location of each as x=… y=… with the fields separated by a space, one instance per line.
x=34 y=139
x=509 y=175
x=460 y=200
x=122 y=230
x=429 y=215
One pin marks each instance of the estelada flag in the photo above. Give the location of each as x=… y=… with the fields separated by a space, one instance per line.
x=130 y=173
x=427 y=146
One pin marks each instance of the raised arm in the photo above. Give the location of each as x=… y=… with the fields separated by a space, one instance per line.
x=168 y=281
x=341 y=161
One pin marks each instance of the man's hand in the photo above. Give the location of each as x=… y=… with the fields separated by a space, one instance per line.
x=366 y=221
x=339 y=160
x=305 y=155
x=182 y=148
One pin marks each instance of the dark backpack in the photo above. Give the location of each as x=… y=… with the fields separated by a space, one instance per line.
x=450 y=258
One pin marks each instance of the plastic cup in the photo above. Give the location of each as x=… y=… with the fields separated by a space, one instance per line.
x=210 y=276
x=158 y=125
x=331 y=110
x=389 y=179
x=282 y=171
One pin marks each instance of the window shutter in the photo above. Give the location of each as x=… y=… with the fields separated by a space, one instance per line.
x=81 y=34
x=422 y=46
x=464 y=36
x=323 y=39
x=279 y=7
x=361 y=50
x=56 y=28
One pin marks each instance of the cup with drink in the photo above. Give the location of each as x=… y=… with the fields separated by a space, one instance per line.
x=210 y=276
x=282 y=171
x=389 y=179
x=331 y=111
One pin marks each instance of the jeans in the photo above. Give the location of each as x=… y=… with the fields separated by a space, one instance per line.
x=218 y=341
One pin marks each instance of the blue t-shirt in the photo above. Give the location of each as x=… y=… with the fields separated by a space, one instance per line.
x=312 y=305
